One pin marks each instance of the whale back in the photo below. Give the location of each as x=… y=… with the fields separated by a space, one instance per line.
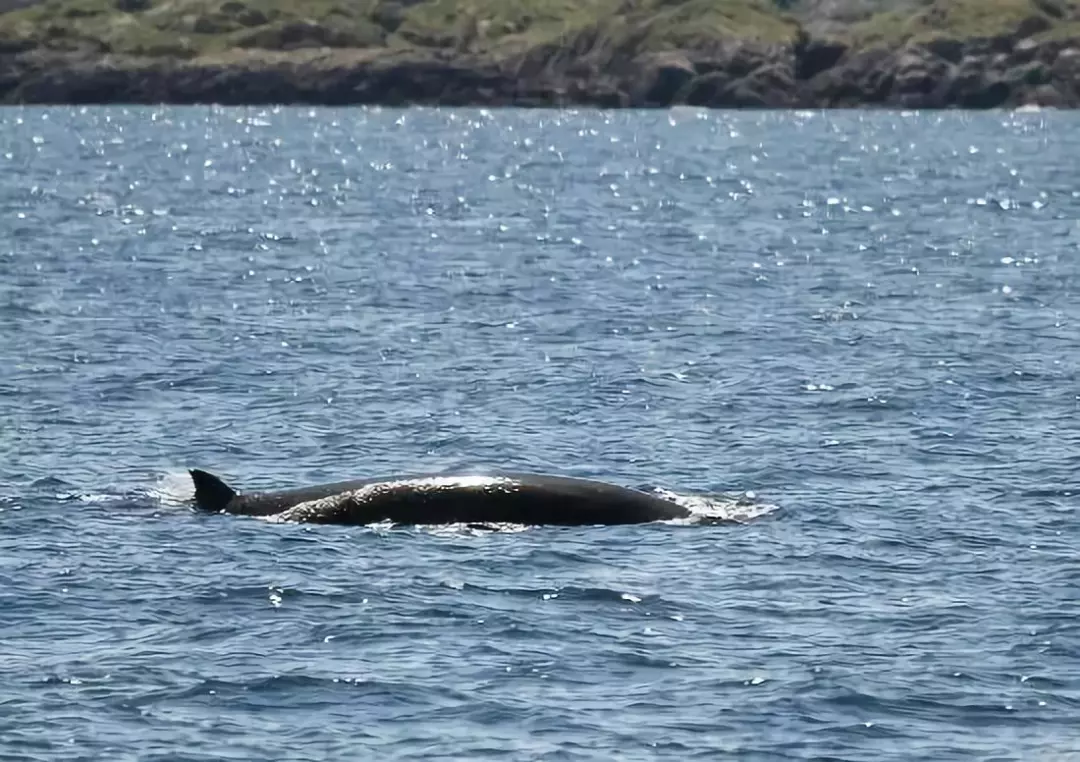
x=434 y=499
x=529 y=499
x=213 y=495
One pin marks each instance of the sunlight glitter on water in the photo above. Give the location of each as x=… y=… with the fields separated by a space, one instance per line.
x=913 y=564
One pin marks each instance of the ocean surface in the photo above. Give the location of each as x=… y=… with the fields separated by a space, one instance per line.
x=857 y=335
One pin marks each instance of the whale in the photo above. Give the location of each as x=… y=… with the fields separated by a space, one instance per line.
x=467 y=498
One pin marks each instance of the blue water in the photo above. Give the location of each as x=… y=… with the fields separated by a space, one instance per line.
x=868 y=322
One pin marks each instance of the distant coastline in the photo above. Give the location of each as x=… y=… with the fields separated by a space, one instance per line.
x=651 y=53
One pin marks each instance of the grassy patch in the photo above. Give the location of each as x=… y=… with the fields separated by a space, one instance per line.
x=696 y=23
x=200 y=27
x=1065 y=30
x=961 y=20
x=190 y=27
x=651 y=24
x=486 y=24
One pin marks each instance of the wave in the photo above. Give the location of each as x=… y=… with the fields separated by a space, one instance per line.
x=735 y=508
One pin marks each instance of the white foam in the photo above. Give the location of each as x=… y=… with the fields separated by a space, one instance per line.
x=173 y=488
x=738 y=508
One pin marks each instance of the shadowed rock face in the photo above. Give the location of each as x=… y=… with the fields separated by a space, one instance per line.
x=913 y=77
x=813 y=70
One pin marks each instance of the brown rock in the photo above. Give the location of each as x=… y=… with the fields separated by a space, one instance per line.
x=662 y=77
x=1067 y=65
x=210 y=25
x=862 y=78
x=743 y=94
x=15 y=45
x=389 y=15
x=1047 y=50
x=1002 y=43
x=707 y=89
x=1048 y=96
x=1033 y=73
x=298 y=35
x=739 y=60
x=1031 y=26
x=1051 y=8
x=974 y=88
x=591 y=71
x=770 y=85
x=1024 y=51
x=918 y=73
x=946 y=48
x=251 y=17
x=815 y=56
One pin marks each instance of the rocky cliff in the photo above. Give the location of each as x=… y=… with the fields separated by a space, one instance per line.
x=652 y=53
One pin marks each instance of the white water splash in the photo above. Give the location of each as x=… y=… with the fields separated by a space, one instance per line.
x=89 y=498
x=173 y=488
x=737 y=508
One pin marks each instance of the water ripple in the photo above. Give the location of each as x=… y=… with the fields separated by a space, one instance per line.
x=855 y=328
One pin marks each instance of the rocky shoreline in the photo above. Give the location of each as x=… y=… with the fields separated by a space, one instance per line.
x=1007 y=71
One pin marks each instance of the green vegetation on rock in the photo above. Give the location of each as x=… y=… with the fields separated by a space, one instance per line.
x=193 y=27
x=498 y=28
x=963 y=20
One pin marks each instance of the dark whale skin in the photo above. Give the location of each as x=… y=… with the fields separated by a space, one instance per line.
x=503 y=498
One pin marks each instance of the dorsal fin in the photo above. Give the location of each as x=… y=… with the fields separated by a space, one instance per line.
x=211 y=494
